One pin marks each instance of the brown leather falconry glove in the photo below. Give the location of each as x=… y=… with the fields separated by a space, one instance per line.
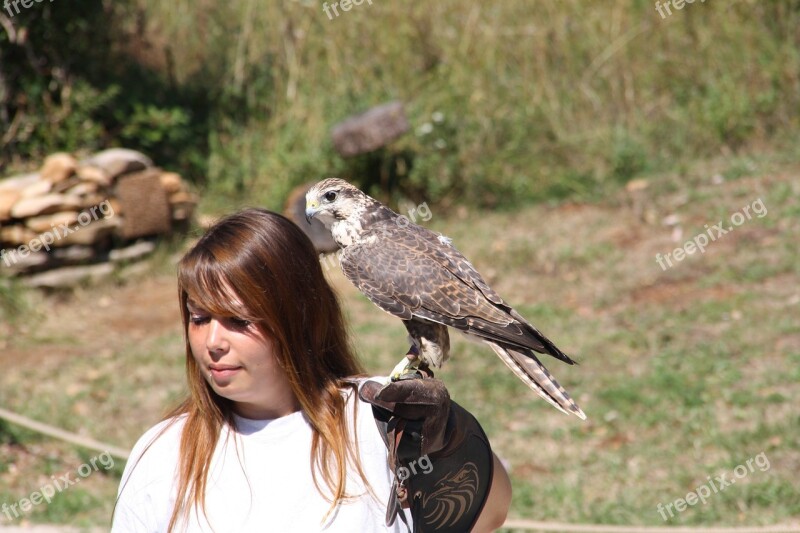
x=441 y=458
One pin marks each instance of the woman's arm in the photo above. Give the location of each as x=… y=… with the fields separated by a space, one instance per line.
x=496 y=507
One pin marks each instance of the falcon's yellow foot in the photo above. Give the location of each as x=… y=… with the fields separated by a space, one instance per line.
x=411 y=367
x=408 y=365
x=405 y=369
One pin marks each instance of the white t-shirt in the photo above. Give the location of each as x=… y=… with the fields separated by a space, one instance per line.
x=259 y=480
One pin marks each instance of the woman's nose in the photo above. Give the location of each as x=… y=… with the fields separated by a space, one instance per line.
x=216 y=337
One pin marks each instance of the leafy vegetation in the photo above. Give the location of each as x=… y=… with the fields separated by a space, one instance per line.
x=510 y=103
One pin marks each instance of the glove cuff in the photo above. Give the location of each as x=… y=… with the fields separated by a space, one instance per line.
x=446 y=483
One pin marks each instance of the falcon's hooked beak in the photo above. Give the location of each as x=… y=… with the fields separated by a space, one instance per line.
x=311 y=209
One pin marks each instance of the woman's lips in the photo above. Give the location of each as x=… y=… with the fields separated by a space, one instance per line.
x=223 y=371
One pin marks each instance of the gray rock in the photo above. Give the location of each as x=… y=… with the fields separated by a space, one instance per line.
x=58 y=167
x=14 y=262
x=37 y=188
x=118 y=161
x=44 y=205
x=68 y=276
x=73 y=254
x=135 y=251
x=370 y=130
x=96 y=232
x=19 y=182
x=47 y=222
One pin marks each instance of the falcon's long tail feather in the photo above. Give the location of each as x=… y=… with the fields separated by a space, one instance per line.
x=535 y=375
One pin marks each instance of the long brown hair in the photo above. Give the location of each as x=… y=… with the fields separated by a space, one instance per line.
x=266 y=263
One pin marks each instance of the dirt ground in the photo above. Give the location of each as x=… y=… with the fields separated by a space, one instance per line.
x=654 y=347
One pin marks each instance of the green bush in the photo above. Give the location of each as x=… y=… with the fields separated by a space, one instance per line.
x=538 y=100
x=69 y=81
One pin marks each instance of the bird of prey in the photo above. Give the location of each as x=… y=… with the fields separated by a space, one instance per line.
x=418 y=276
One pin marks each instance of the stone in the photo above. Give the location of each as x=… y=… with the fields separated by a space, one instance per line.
x=47 y=222
x=371 y=130
x=182 y=197
x=7 y=200
x=171 y=182
x=16 y=235
x=58 y=167
x=17 y=262
x=90 y=200
x=44 y=205
x=94 y=174
x=69 y=276
x=19 y=182
x=183 y=204
x=66 y=184
x=74 y=254
x=83 y=188
x=39 y=188
x=96 y=232
x=182 y=213
x=133 y=252
x=119 y=161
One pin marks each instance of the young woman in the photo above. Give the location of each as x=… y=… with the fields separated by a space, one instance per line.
x=272 y=436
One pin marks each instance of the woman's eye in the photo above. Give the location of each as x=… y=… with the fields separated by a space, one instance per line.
x=240 y=322
x=198 y=319
x=330 y=196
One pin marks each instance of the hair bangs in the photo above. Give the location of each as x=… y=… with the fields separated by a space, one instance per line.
x=204 y=280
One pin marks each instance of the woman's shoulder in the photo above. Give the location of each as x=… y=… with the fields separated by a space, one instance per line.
x=158 y=446
x=164 y=434
x=146 y=491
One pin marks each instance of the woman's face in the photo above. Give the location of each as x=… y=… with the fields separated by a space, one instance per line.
x=240 y=364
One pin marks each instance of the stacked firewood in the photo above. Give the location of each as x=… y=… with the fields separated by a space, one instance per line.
x=75 y=212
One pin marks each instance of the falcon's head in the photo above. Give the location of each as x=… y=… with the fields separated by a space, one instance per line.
x=345 y=210
x=333 y=199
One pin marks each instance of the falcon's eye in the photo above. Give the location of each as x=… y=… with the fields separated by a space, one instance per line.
x=330 y=196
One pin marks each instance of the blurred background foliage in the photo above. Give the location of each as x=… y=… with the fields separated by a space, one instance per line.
x=510 y=102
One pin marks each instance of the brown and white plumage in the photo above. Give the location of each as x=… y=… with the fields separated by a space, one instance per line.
x=420 y=277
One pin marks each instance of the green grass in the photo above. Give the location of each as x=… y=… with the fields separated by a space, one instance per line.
x=508 y=103
x=683 y=374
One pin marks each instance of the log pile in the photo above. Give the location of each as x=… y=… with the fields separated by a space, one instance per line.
x=88 y=212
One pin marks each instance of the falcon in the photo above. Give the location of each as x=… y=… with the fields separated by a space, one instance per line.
x=420 y=277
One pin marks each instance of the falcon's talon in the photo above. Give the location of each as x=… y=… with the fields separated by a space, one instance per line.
x=425 y=370
x=411 y=374
x=405 y=369
x=413 y=353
